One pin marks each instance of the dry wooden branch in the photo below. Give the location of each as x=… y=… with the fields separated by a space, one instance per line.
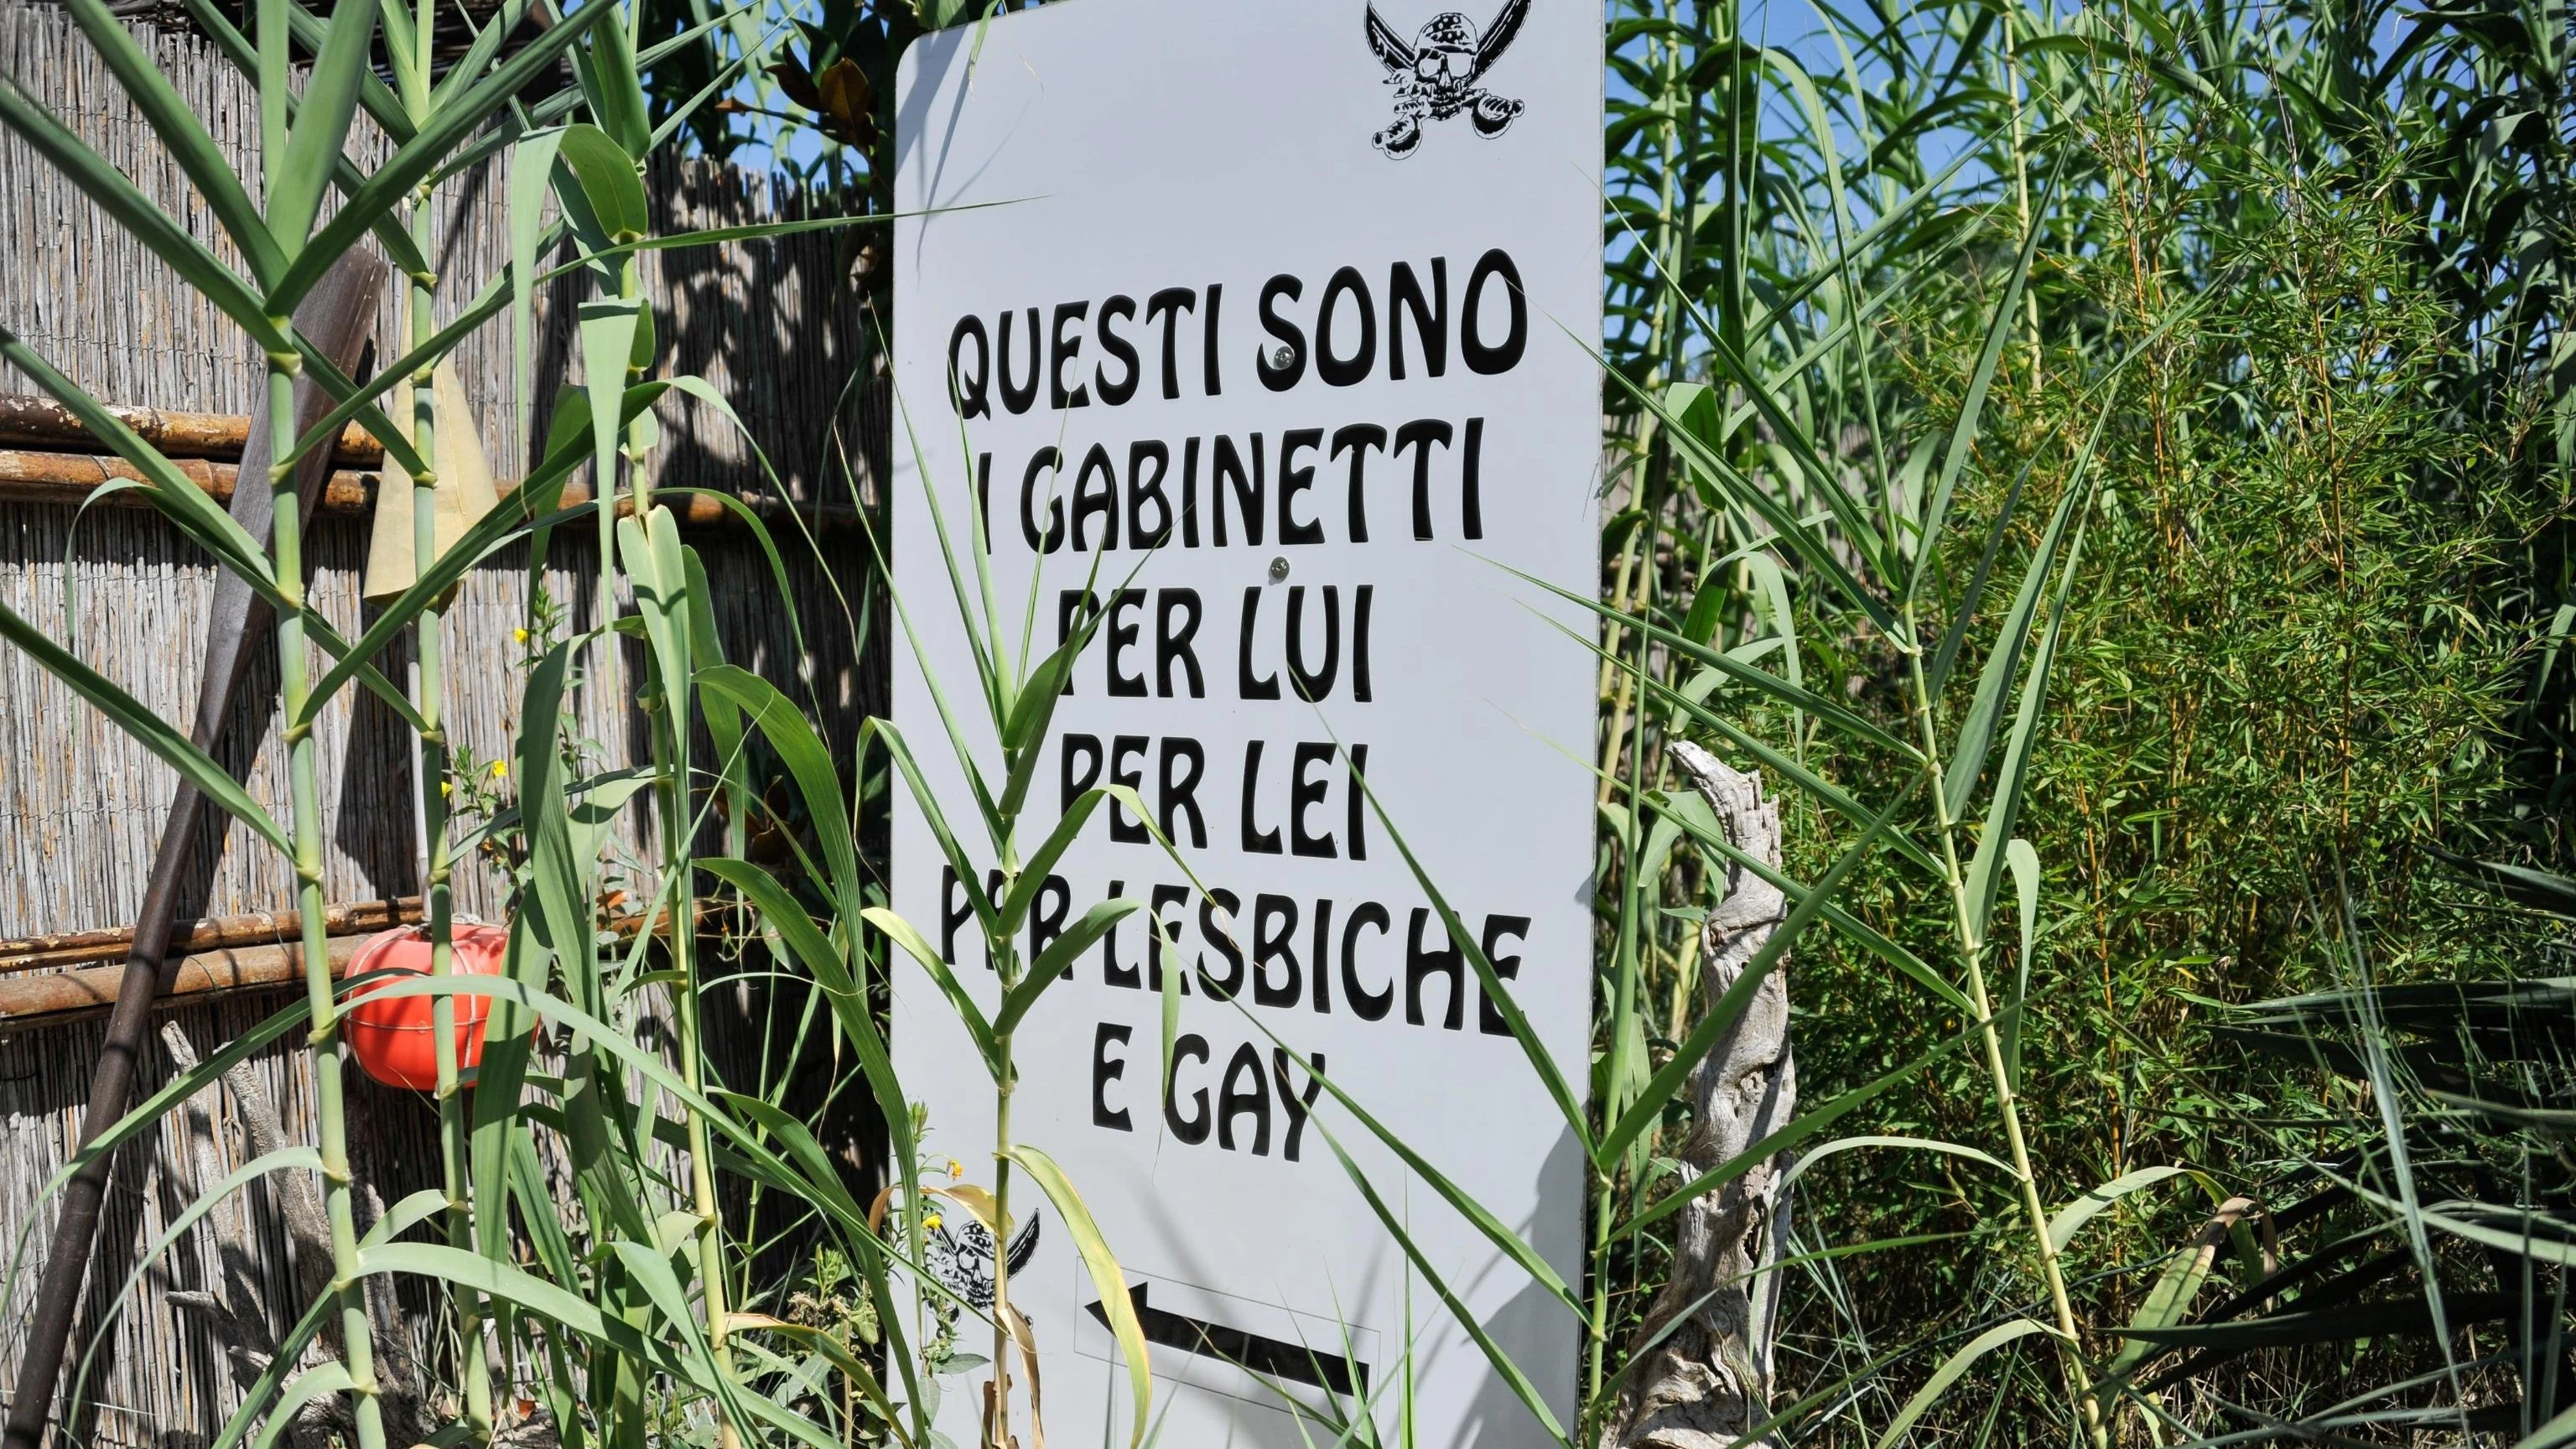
x=83 y=948
x=40 y=422
x=55 y=997
x=52 y=998
x=1707 y=1383
x=65 y=479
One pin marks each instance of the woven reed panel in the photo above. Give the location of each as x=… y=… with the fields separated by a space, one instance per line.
x=80 y=806
x=769 y=324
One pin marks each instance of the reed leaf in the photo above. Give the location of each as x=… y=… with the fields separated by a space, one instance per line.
x=1729 y=1007
x=1055 y=963
x=326 y=433
x=329 y=103
x=821 y=958
x=2003 y=662
x=1107 y=1279
x=313 y=33
x=1736 y=670
x=969 y=1015
x=608 y=181
x=2071 y=1218
x=1963 y=433
x=489 y=534
x=137 y=216
x=1509 y=1370
x=174 y=123
x=1505 y=1240
x=209 y=1197
x=144 y=727
x=808 y=763
x=1806 y=1125
x=1568 y=1105
x=1952 y=1369
x=170 y=491
x=901 y=754
x=392 y=182
x=318 y=1382
x=1813 y=1155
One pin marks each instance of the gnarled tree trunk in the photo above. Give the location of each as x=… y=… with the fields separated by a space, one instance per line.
x=1708 y=1383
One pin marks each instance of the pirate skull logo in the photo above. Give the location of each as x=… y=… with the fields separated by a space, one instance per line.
x=1435 y=74
x=963 y=1259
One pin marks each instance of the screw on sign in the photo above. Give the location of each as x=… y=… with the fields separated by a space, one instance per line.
x=392 y=1035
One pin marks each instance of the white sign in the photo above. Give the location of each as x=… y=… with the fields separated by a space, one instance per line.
x=1286 y=308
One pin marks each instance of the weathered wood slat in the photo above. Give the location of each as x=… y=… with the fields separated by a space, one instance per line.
x=83 y=948
x=28 y=421
x=65 y=480
x=53 y=999
x=56 y=998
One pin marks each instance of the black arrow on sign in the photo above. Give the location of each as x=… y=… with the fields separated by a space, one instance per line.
x=1269 y=1357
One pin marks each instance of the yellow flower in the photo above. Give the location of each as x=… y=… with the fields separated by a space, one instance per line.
x=500 y=769
x=445 y=788
x=930 y=1224
x=956 y=1169
x=521 y=635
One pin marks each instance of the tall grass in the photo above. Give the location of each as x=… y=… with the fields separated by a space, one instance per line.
x=2325 y=564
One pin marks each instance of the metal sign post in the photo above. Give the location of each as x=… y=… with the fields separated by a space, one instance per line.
x=1284 y=311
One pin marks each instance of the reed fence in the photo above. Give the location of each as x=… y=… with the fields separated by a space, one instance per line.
x=774 y=325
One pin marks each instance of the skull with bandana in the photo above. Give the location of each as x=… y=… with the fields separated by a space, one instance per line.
x=1435 y=74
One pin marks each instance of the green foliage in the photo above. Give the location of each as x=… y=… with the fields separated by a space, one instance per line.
x=2321 y=564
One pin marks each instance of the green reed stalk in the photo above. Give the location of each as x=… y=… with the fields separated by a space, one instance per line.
x=330 y=1055
x=1633 y=588
x=1622 y=1067
x=672 y=743
x=2021 y=175
x=437 y=872
x=702 y=1180
x=1972 y=949
x=671 y=699
x=1604 y=1181
x=428 y=700
x=1006 y=967
x=997 y=1424
x=1616 y=693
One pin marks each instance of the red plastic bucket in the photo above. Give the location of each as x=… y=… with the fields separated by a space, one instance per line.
x=391 y=1037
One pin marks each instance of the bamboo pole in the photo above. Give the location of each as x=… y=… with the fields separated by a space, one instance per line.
x=66 y=479
x=328 y=1049
x=241 y=957
x=69 y=949
x=28 y=421
x=51 y=999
